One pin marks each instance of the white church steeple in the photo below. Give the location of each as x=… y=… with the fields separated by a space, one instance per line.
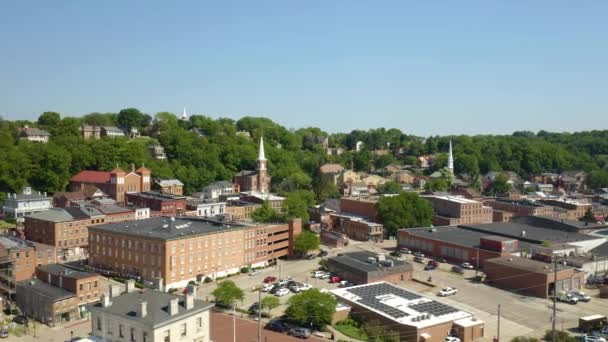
x=184 y=115
x=451 y=160
x=261 y=156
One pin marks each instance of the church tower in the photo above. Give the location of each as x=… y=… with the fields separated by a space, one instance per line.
x=451 y=160
x=263 y=178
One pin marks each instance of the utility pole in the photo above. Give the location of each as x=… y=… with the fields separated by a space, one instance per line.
x=260 y=314
x=554 y=296
x=233 y=322
x=498 y=326
x=477 y=262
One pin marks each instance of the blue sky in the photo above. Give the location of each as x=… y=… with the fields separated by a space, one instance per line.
x=426 y=67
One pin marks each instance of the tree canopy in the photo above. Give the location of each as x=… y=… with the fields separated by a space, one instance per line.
x=405 y=210
x=269 y=302
x=311 y=308
x=265 y=214
x=307 y=241
x=227 y=293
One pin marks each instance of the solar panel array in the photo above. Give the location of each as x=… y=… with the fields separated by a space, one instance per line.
x=368 y=296
x=434 y=308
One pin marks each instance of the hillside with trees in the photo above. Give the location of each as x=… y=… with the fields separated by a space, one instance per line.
x=201 y=150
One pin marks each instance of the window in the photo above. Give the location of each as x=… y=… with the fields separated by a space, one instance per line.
x=132 y=334
x=182 y=330
x=99 y=323
x=167 y=336
x=199 y=322
x=145 y=336
x=81 y=287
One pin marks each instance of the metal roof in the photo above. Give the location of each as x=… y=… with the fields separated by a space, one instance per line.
x=44 y=289
x=64 y=271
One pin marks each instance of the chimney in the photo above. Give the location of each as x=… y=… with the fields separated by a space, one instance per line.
x=105 y=300
x=142 y=309
x=114 y=291
x=158 y=284
x=130 y=285
x=189 y=301
x=173 y=306
x=132 y=167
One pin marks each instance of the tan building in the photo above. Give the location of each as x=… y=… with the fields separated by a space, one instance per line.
x=240 y=210
x=454 y=210
x=171 y=186
x=115 y=183
x=518 y=208
x=357 y=228
x=573 y=210
x=255 y=181
x=179 y=250
x=331 y=172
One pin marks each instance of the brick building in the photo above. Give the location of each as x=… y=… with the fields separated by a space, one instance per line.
x=171 y=186
x=159 y=203
x=413 y=316
x=357 y=228
x=179 y=250
x=76 y=198
x=573 y=210
x=85 y=285
x=115 y=183
x=255 y=181
x=360 y=206
x=240 y=210
x=367 y=267
x=46 y=303
x=519 y=208
x=18 y=261
x=453 y=210
x=531 y=277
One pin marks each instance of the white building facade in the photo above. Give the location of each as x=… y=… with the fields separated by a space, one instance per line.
x=20 y=205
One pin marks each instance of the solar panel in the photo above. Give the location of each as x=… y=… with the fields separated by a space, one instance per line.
x=434 y=308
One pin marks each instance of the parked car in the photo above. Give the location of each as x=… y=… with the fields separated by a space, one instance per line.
x=418 y=254
x=345 y=283
x=592 y=338
x=430 y=267
x=567 y=298
x=3 y=333
x=281 y=292
x=20 y=319
x=419 y=259
x=404 y=250
x=327 y=275
x=252 y=273
x=305 y=287
x=451 y=339
x=275 y=289
x=457 y=269
x=467 y=266
x=334 y=279
x=277 y=325
x=254 y=308
x=299 y=332
x=267 y=287
x=323 y=253
x=441 y=259
x=318 y=274
x=396 y=254
x=311 y=256
x=284 y=282
x=270 y=279
x=581 y=296
x=447 y=291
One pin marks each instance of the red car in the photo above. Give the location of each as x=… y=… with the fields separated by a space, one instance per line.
x=270 y=279
x=334 y=279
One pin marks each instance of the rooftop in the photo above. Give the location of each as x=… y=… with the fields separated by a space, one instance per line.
x=66 y=214
x=456 y=235
x=528 y=232
x=401 y=305
x=456 y=199
x=169 y=182
x=127 y=304
x=47 y=290
x=524 y=264
x=359 y=261
x=14 y=243
x=522 y=203
x=165 y=228
x=156 y=195
x=263 y=196
x=88 y=176
x=57 y=269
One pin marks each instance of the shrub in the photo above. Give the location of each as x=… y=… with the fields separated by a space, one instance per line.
x=207 y=280
x=192 y=282
x=244 y=269
x=172 y=290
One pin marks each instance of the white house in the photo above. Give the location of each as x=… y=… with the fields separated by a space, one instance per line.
x=20 y=205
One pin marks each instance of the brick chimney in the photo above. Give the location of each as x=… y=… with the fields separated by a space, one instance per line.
x=173 y=306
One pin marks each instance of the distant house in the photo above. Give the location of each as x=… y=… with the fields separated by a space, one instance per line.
x=34 y=134
x=404 y=177
x=90 y=132
x=112 y=132
x=18 y=206
x=214 y=190
x=158 y=152
x=171 y=186
x=572 y=181
x=335 y=151
x=331 y=172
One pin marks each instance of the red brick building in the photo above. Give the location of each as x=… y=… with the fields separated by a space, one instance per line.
x=358 y=268
x=519 y=208
x=455 y=210
x=115 y=183
x=360 y=206
x=255 y=181
x=86 y=286
x=161 y=203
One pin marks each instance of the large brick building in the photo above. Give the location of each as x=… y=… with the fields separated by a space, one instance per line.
x=360 y=206
x=455 y=210
x=357 y=228
x=179 y=250
x=85 y=285
x=518 y=208
x=159 y=203
x=572 y=210
x=115 y=183
x=255 y=181
x=367 y=267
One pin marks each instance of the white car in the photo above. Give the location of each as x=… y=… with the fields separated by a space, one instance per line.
x=283 y=282
x=305 y=287
x=447 y=291
x=467 y=266
x=592 y=338
x=451 y=339
x=281 y=292
x=318 y=274
x=326 y=275
x=252 y=273
x=267 y=287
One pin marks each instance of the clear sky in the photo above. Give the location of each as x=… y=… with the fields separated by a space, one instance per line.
x=426 y=67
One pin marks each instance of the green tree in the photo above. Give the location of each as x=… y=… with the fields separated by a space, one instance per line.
x=500 y=184
x=525 y=339
x=436 y=184
x=270 y=302
x=390 y=188
x=307 y=241
x=296 y=204
x=405 y=210
x=597 y=179
x=589 y=217
x=265 y=214
x=311 y=308
x=130 y=117
x=49 y=119
x=560 y=336
x=227 y=293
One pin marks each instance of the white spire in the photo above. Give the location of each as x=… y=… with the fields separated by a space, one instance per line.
x=184 y=115
x=261 y=155
x=451 y=159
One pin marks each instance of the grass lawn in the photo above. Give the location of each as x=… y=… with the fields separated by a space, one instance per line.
x=6 y=225
x=351 y=331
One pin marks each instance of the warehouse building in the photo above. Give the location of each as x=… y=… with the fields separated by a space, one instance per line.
x=367 y=267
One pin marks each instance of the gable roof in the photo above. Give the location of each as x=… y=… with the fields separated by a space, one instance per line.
x=87 y=176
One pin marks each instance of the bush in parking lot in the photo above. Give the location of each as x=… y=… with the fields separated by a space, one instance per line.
x=270 y=302
x=244 y=269
x=560 y=336
x=524 y=339
x=311 y=308
x=207 y=280
x=227 y=293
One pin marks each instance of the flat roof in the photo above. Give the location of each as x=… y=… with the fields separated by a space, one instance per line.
x=400 y=305
x=359 y=261
x=525 y=264
x=47 y=290
x=166 y=228
x=457 y=199
x=457 y=236
x=57 y=269
x=522 y=203
x=156 y=195
x=126 y=305
x=527 y=232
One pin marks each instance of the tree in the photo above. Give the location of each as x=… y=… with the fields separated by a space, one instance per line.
x=525 y=339
x=436 y=184
x=296 y=204
x=589 y=217
x=311 y=308
x=265 y=214
x=390 y=188
x=597 y=179
x=500 y=184
x=406 y=210
x=270 y=302
x=307 y=241
x=560 y=336
x=227 y=293
x=49 y=119
x=130 y=117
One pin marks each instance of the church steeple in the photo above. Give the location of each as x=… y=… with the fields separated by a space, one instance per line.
x=261 y=155
x=184 y=115
x=451 y=160
x=263 y=179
